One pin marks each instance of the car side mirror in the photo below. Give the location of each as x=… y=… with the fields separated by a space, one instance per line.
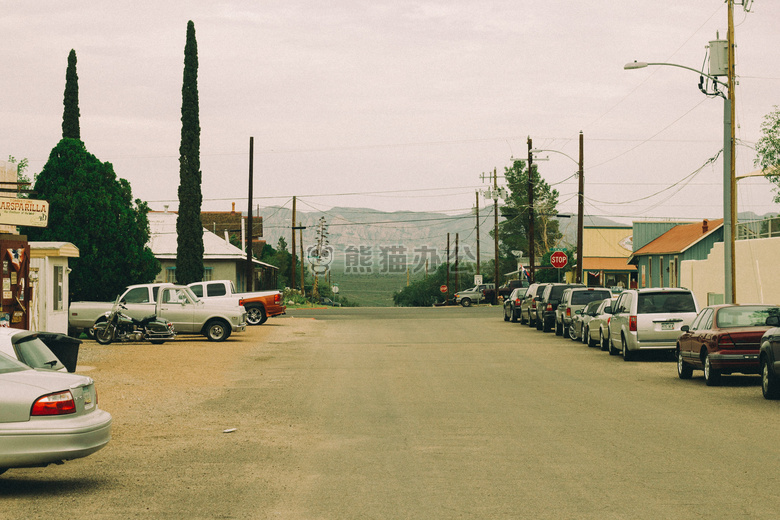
x=685 y=328
x=773 y=320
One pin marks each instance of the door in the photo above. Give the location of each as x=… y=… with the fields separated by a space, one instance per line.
x=177 y=307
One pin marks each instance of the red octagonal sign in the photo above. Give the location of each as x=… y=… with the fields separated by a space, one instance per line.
x=559 y=259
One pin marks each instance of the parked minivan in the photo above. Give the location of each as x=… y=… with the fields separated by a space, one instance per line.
x=528 y=304
x=650 y=319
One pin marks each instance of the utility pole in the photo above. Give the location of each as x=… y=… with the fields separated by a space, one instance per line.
x=732 y=298
x=250 y=268
x=495 y=233
x=477 y=208
x=293 y=271
x=457 y=285
x=303 y=279
x=531 y=235
x=448 y=266
x=580 y=211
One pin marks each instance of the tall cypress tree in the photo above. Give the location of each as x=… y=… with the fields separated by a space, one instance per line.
x=70 y=116
x=189 y=251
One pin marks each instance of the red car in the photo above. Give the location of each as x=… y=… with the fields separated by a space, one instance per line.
x=723 y=339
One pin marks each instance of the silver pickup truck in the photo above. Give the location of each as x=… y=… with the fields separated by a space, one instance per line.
x=214 y=319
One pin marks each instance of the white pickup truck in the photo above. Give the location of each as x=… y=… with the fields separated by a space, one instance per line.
x=259 y=305
x=214 y=319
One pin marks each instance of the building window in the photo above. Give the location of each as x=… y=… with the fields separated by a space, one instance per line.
x=208 y=274
x=170 y=274
x=59 y=289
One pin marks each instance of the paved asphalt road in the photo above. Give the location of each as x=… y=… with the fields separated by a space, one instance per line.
x=410 y=413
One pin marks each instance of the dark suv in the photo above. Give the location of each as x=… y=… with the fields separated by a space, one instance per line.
x=545 y=307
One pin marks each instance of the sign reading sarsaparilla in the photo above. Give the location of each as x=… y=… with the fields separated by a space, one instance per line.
x=24 y=212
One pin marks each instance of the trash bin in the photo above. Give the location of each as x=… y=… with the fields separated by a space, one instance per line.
x=64 y=347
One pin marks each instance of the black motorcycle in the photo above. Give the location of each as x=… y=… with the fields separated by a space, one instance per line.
x=118 y=326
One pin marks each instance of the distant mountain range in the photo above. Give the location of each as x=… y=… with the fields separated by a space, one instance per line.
x=410 y=230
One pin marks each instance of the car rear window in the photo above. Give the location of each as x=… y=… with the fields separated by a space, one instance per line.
x=585 y=297
x=655 y=303
x=744 y=316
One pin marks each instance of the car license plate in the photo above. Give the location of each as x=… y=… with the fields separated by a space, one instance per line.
x=89 y=401
x=668 y=325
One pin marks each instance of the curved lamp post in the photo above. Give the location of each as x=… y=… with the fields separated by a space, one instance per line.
x=728 y=174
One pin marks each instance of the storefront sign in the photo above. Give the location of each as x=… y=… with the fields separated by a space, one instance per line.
x=24 y=212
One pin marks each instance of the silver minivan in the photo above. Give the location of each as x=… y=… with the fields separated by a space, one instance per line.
x=649 y=319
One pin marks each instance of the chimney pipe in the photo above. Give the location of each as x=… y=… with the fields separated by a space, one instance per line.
x=705 y=225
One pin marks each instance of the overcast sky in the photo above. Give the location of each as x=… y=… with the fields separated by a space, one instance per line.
x=397 y=105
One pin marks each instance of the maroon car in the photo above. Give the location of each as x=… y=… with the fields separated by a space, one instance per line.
x=723 y=339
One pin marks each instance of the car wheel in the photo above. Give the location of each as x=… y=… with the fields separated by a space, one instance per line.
x=545 y=326
x=255 y=315
x=540 y=324
x=514 y=316
x=684 y=370
x=531 y=323
x=589 y=340
x=769 y=384
x=522 y=317
x=3 y=470
x=627 y=354
x=217 y=330
x=711 y=375
x=506 y=316
x=558 y=329
x=572 y=333
x=466 y=302
x=604 y=342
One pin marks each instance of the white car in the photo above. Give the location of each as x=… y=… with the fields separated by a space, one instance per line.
x=649 y=319
x=31 y=349
x=47 y=417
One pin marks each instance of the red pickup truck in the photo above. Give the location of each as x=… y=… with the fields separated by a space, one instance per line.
x=259 y=305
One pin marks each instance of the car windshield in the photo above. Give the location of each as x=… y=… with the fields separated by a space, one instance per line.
x=35 y=353
x=661 y=302
x=8 y=364
x=744 y=316
x=585 y=297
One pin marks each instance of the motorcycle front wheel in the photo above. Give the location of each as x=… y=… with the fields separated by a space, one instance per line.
x=104 y=333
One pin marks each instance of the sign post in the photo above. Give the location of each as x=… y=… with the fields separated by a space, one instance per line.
x=559 y=260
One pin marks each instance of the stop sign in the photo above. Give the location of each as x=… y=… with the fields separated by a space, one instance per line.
x=559 y=259
x=443 y=288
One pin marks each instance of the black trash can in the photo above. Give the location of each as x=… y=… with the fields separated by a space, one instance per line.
x=64 y=347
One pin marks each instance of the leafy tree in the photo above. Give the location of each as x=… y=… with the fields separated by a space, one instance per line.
x=768 y=149
x=70 y=115
x=513 y=231
x=280 y=258
x=426 y=292
x=189 y=250
x=93 y=209
x=21 y=175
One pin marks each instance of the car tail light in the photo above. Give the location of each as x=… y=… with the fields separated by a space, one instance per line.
x=517 y=301
x=568 y=312
x=549 y=307
x=725 y=341
x=241 y=302
x=277 y=298
x=60 y=403
x=533 y=305
x=632 y=323
x=608 y=320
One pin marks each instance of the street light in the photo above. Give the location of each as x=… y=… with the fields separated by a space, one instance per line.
x=728 y=173
x=580 y=204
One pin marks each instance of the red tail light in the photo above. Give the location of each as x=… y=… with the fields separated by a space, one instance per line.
x=549 y=307
x=60 y=403
x=725 y=341
x=568 y=312
x=533 y=305
x=608 y=320
x=241 y=302
x=277 y=298
x=632 y=323
x=517 y=301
